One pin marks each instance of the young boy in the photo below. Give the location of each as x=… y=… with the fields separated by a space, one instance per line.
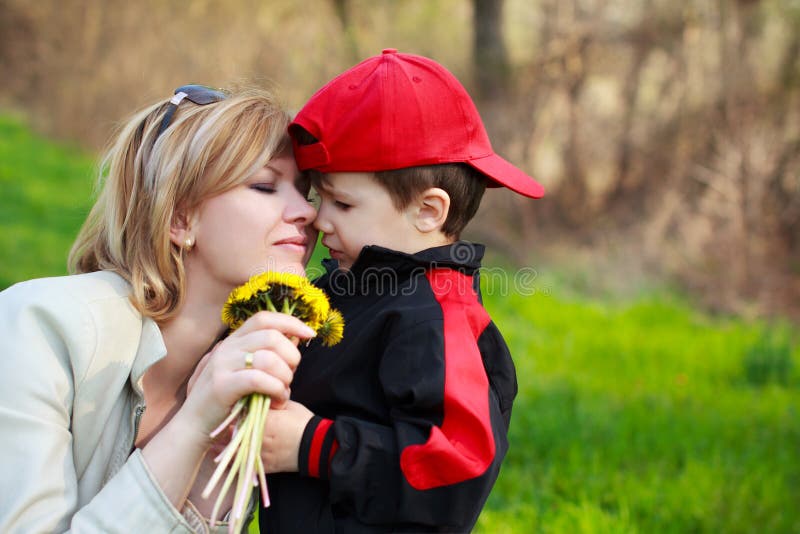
x=411 y=409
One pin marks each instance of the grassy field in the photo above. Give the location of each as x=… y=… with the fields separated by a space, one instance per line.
x=46 y=191
x=646 y=417
x=637 y=415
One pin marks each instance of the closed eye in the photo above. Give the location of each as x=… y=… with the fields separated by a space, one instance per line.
x=341 y=205
x=264 y=188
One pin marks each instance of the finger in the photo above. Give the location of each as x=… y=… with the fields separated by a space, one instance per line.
x=278 y=404
x=274 y=341
x=233 y=351
x=284 y=323
x=271 y=363
x=271 y=340
x=257 y=381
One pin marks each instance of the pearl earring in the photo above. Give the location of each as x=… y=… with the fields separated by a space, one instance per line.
x=188 y=244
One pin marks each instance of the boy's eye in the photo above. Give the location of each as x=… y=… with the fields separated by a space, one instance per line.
x=264 y=188
x=341 y=205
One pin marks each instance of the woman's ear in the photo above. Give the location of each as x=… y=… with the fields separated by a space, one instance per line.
x=432 y=205
x=181 y=229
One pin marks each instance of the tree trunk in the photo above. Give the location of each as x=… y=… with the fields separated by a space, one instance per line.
x=489 y=53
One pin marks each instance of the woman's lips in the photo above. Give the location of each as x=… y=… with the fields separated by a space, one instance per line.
x=295 y=244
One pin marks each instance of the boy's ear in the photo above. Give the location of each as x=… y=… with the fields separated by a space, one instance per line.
x=181 y=228
x=432 y=205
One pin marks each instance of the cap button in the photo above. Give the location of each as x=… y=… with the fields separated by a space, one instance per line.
x=389 y=51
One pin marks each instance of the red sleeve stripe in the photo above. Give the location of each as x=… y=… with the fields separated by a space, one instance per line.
x=314 y=454
x=463 y=446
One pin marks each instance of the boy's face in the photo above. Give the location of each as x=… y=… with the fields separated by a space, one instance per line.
x=355 y=211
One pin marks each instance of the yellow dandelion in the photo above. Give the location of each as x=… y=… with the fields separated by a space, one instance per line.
x=332 y=329
x=316 y=299
x=229 y=318
x=286 y=292
x=242 y=293
x=263 y=281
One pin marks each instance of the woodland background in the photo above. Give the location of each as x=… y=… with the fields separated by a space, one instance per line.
x=667 y=132
x=656 y=340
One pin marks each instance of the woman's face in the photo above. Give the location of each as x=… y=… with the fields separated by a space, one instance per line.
x=261 y=225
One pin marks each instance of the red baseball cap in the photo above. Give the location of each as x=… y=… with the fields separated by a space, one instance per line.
x=399 y=110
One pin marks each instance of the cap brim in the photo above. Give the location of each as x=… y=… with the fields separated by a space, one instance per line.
x=507 y=175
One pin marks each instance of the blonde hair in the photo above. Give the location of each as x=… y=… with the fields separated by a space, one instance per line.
x=146 y=180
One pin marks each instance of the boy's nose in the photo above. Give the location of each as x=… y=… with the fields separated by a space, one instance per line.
x=321 y=223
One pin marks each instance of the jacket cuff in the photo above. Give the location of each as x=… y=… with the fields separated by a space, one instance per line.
x=201 y=524
x=317 y=448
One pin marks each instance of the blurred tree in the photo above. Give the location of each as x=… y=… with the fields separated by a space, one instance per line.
x=492 y=69
x=665 y=132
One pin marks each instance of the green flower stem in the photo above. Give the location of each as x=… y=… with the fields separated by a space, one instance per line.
x=262 y=479
x=224 y=491
x=231 y=416
x=288 y=308
x=227 y=454
x=241 y=467
x=249 y=467
x=250 y=445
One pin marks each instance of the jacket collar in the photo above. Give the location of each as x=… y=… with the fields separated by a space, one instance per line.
x=151 y=349
x=460 y=255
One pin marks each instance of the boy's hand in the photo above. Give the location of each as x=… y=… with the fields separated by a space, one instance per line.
x=282 y=437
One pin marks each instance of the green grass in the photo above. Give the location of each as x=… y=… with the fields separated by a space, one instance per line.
x=640 y=415
x=46 y=190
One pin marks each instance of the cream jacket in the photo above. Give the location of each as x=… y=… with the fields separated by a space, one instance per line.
x=72 y=354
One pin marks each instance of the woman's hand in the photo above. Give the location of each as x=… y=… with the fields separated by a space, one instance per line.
x=282 y=437
x=222 y=377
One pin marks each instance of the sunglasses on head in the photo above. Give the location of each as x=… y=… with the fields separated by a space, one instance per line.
x=197 y=94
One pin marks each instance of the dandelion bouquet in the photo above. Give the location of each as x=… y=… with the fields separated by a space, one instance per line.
x=278 y=292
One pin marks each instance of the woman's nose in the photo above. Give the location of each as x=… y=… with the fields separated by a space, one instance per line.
x=300 y=210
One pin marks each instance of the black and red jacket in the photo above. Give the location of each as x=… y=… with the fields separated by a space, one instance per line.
x=412 y=407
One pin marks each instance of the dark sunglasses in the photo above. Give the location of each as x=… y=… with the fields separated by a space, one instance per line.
x=197 y=94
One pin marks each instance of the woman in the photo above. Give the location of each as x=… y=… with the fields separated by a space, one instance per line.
x=104 y=411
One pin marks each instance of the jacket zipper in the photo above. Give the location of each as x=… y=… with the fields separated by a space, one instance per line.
x=137 y=418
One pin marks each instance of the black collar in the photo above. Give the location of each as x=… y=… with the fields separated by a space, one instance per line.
x=375 y=262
